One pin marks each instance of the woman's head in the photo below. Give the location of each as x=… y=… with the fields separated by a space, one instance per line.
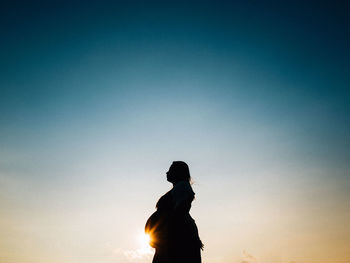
x=178 y=171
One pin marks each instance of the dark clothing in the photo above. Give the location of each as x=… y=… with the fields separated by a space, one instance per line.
x=173 y=231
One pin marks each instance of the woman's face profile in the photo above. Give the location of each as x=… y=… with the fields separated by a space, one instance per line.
x=170 y=175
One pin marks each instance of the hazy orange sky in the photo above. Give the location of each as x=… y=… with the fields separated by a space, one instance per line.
x=98 y=99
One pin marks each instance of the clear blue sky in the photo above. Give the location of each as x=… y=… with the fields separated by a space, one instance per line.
x=97 y=100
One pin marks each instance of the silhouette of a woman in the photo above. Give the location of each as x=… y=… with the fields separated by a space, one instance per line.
x=173 y=231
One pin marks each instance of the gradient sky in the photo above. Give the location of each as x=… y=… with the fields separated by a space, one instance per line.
x=97 y=100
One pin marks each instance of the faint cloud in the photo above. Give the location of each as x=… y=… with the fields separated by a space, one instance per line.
x=248 y=258
x=135 y=255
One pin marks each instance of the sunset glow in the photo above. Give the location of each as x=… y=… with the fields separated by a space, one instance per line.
x=98 y=98
x=144 y=240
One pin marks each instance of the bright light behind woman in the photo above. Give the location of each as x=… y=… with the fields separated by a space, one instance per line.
x=173 y=231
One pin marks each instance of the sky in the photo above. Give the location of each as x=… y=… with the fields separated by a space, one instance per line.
x=98 y=98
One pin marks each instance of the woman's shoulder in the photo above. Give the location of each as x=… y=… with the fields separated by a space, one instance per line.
x=183 y=185
x=182 y=188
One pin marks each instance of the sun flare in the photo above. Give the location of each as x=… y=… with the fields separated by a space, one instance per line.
x=144 y=240
x=144 y=248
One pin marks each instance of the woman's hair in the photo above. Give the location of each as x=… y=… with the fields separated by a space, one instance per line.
x=181 y=171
